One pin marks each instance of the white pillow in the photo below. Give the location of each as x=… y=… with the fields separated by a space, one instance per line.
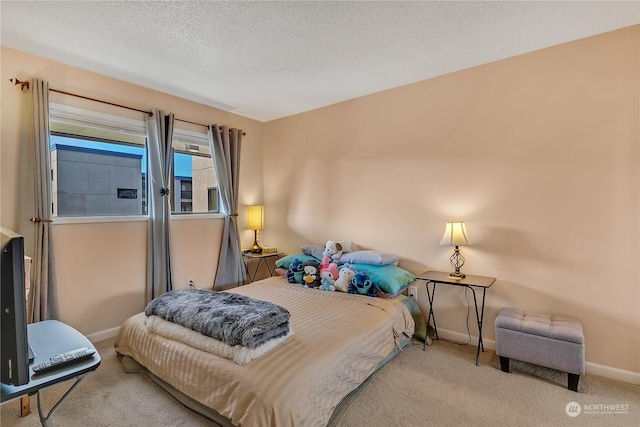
x=313 y=250
x=369 y=257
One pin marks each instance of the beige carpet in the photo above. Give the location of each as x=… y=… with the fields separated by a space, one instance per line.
x=437 y=387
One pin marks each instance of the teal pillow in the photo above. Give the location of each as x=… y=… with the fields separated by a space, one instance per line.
x=286 y=261
x=389 y=278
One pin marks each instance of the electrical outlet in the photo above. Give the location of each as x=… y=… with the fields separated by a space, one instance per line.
x=413 y=293
x=190 y=282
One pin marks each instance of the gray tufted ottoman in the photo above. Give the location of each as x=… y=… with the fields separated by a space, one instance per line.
x=546 y=340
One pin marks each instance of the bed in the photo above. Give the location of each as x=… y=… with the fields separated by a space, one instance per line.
x=339 y=340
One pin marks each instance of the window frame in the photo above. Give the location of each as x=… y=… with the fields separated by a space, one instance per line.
x=66 y=114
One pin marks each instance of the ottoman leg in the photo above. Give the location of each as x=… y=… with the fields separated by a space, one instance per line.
x=573 y=382
x=504 y=364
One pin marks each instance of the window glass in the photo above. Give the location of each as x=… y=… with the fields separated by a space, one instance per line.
x=193 y=176
x=97 y=177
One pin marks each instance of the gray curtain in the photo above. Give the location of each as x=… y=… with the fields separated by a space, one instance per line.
x=43 y=297
x=159 y=176
x=225 y=151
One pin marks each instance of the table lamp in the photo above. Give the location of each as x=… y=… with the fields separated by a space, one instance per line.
x=455 y=234
x=255 y=222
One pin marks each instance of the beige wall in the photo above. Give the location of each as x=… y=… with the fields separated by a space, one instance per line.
x=101 y=267
x=537 y=153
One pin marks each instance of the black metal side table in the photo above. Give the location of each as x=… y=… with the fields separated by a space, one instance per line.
x=262 y=258
x=471 y=282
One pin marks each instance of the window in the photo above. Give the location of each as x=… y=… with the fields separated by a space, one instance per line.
x=127 y=193
x=99 y=165
x=213 y=199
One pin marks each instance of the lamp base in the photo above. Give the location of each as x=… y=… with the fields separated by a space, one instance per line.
x=256 y=248
x=457 y=261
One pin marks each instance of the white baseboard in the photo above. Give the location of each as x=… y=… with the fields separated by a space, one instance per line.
x=592 y=368
x=103 y=335
x=613 y=373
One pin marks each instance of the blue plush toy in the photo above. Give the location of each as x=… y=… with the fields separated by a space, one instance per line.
x=294 y=272
x=362 y=284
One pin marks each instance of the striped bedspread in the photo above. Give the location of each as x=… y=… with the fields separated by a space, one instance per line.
x=238 y=353
x=339 y=340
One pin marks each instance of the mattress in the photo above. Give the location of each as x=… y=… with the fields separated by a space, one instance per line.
x=340 y=339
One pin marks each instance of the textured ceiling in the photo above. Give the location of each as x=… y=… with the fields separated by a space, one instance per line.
x=267 y=60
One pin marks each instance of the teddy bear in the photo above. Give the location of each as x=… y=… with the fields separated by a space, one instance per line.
x=332 y=250
x=344 y=278
x=311 y=274
x=294 y=272
x=328 y=275
x=362 y=284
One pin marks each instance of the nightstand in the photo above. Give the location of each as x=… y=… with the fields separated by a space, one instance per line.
x=470 y=282
x=266 y=259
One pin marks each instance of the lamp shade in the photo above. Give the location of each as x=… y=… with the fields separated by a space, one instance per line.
x=455 y=234
x=255 y=217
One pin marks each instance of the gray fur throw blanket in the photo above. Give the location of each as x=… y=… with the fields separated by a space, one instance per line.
x=227 y=317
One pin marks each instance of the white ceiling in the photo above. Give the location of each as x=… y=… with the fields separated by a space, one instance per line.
x=267 y=60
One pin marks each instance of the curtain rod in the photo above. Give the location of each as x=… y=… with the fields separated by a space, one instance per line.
x=24 y=84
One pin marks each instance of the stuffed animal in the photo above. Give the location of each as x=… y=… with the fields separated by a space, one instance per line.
x=344 y=278
x=311 y=274
x=362 y=284
x=332 y=250
x=328 y=275
x=325 y=263
x=326 y=283
x=294 y=272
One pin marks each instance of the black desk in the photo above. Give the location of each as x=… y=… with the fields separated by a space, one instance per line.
x=469 y=282
x=47 y=339
x=262 y=259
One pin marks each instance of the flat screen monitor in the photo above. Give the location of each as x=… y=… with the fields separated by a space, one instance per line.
x=14 y=348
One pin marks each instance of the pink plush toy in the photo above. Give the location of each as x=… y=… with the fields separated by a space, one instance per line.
x=328 y=274
x=325 y=263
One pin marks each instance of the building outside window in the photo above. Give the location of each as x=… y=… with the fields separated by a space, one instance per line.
x=95 y=179
x=183 y=197
x=213 y=201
